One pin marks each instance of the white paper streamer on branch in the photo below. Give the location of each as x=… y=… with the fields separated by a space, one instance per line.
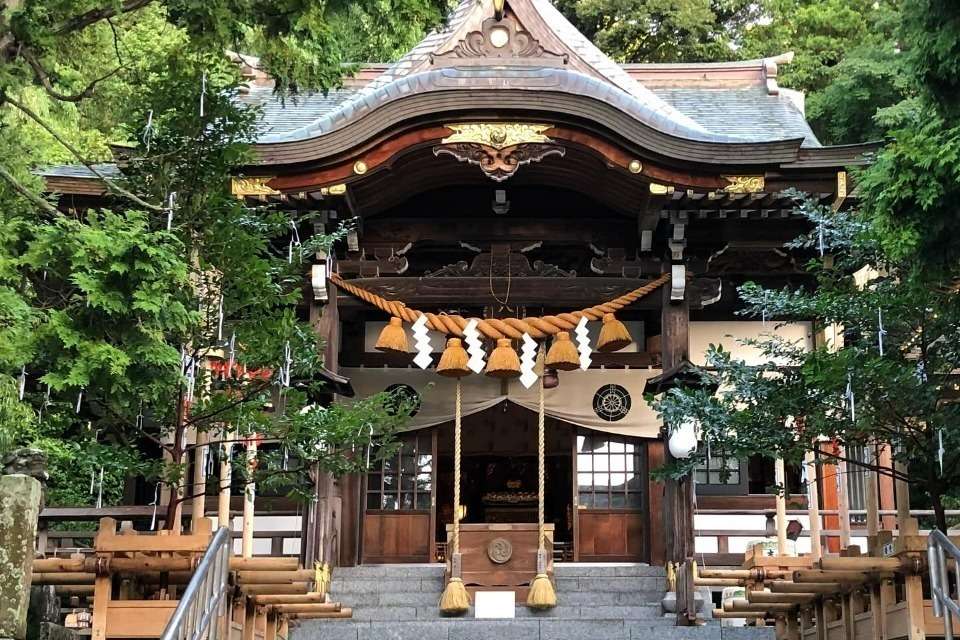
x=100 y=491
x=850 y=398
x=220 y=317
x=154 y=504
x=940 y=450
x=44 y=404
x=203 y=92
x=188 y=367
x=583 y=343
x=231 y=353
x=528 y=361
x=422 y=343
x=23 y=380
x=474 y=346
x=286 y=366
x=79 y=400
x=171 y=199
x=820 y=239
x=138 y=422
x=294 y=242
x=148 y=130
x=880 y=330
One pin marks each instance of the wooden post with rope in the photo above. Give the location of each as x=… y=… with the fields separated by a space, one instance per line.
x=455 y=599
x=542 y=594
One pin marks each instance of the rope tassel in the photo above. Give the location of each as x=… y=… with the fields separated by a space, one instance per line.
x=542 y=594
x=455 y=599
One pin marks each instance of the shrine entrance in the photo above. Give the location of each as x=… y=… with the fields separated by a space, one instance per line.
x=596 y=489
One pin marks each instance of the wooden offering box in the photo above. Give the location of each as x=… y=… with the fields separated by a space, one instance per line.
x=500 y=557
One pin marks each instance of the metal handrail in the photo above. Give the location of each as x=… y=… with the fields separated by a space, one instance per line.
x=945 y=605
x=205 y=597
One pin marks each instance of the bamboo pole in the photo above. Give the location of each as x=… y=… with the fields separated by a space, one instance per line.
x=149 y=564
x=720 y=613
x=264 y=564
x=307 y=607
x=292 y=598
x=815 y=575
x=226 y=478
x=862 y=563
x=764 y=597
x=780 y=477
x=343 y=613
x=249 y=497
x=64 y=578
x=843 y=499
x=274 y=589
x=274 y=577
x=742 y=605
x=199 y=488
x=813 y=505
x=809 y=587
x=718 y=582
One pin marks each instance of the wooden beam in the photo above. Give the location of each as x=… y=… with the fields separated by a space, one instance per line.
x=293 y=598
x=278 y=589
x=809 y=587
x=536 y=291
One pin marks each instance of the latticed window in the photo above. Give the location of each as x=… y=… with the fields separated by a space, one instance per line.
x=403 y=481
x=718 y=470
x=609 y=472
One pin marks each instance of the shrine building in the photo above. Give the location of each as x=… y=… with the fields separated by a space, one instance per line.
x=506 y=185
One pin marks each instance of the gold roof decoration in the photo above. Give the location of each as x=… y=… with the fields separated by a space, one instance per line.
x=252 y=186
x=744 y=184
x=498 y=135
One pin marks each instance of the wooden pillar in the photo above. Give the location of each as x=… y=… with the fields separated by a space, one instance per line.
x=885 y=488
x=679 y=496
x=249 y=499
x=350 y=520
x=199 y=487
x=829 y=489
x=224 y=518
x=843 y=500
x=656 y=453
x=780 y=475
x=813 y=505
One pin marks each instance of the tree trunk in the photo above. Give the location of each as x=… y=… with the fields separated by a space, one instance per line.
x=936 y=497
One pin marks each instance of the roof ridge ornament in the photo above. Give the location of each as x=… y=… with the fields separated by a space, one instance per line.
x=498 y=6
x=498 y=148
x=498 y=39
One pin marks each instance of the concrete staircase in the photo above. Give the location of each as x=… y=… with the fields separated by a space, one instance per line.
x=595 y=602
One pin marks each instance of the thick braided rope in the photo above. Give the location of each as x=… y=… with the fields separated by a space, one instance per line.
x=541 y=476
x=456 y=472
x=493 y=328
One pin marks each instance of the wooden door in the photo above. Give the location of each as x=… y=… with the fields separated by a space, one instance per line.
x=611 y=497
x=398 y=504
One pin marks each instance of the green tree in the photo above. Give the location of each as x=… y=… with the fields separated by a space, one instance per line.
x=664 y=30
x=112 y=312
x=893 y=382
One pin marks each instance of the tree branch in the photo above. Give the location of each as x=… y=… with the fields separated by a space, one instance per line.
x=44 y=79
x=26 y=193
x=4 y=98
x=94 y=16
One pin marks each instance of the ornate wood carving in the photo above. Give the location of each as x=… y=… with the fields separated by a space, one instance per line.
x=385 y=261
x=616 y=263
x=746 y=258
x=744 y=184
x=501 y=262
x=499 y=38
x=253 y=186
x=499 y=164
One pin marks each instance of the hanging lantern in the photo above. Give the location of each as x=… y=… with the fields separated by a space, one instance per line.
x=563 y=353
x=504 y=361
x=613 y=335
x=453 y=362
x=683 y=440
x=393 y=339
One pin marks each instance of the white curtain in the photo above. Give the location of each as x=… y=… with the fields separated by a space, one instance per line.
x=572 y=401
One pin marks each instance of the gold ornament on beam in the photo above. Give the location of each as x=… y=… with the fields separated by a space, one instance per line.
x=253 y=186
x=498 y=135
x=744 y=184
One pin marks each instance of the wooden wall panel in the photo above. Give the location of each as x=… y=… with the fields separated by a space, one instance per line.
x=399 y=536
x=611 y=536
x=656 y=455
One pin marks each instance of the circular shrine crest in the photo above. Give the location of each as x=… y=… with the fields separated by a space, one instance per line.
x=402 y=393
x=611 y=402
x=500 y=550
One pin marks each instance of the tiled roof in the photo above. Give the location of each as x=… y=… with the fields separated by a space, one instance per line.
x=749 y=113
x=79 y=171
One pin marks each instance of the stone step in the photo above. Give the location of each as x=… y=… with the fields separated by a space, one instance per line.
x=608 y=583
x=519 y=629
x=390 y=571
x=607 y=569
x=562 y=611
